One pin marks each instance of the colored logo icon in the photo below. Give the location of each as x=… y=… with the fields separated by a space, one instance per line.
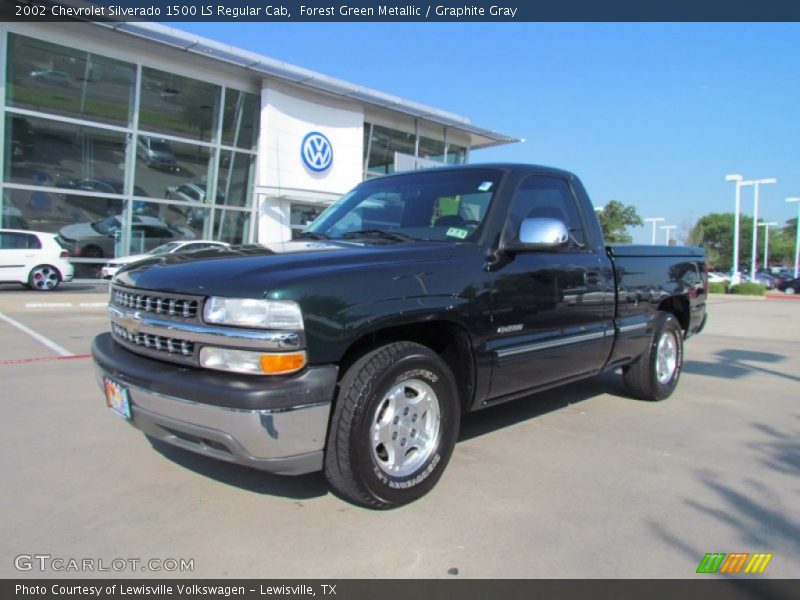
x=733 y=563
x=317 y=152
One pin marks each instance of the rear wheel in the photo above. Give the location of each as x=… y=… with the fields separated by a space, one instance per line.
x=44 y=278
x=655 y=374
x=394 y=426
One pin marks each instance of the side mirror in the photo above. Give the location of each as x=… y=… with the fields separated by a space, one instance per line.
x=539 y=234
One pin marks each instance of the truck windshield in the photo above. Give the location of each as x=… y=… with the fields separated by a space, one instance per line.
x=439 y=205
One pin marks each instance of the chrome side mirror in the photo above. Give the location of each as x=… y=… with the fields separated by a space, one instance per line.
x=540 y=234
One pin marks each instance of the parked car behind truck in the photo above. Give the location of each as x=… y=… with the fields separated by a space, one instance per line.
x=415 y=298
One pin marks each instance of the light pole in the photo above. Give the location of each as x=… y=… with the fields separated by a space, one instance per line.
x=739 y=183
x=756 y=183
x=766 y=227
x=667 y=229
x=654 y=220
x=797 y=236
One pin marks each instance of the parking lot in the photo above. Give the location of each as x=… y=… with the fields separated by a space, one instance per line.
x=577 y=482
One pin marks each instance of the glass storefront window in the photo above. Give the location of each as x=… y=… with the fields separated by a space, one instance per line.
x=232 y=226
x=86 y=225
x=240 y=119
x=431 y=149
x=177 y=105
x=65 y=81
x=385 y=142
x=47 y=152
x=456 y=155
x=302 y=215
x=164 y=166
x=154 y=224
x=235 y=178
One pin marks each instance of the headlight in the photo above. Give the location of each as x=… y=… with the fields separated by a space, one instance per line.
x=246 y=312
x=254 y=363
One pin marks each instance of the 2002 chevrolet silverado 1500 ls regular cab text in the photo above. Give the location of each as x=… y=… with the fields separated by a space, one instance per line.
x=415 y=298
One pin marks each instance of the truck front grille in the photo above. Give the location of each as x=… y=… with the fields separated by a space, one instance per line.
x=169 y=305
x=156 y=342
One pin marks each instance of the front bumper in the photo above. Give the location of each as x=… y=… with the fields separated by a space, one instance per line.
x=272 y=424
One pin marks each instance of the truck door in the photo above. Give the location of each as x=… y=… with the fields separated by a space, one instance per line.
x=552 y=310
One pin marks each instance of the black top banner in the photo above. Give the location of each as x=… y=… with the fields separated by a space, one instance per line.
x=401 y=11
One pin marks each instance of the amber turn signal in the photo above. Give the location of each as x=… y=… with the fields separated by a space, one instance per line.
x=282 y=363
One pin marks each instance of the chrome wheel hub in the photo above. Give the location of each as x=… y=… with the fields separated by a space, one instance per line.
x=666 y=357
x=44 y=278
x=405 y=428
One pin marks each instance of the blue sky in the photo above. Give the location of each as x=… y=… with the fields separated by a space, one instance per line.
x=652 y=115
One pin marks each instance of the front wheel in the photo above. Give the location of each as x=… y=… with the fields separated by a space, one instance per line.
x=44 y=278
x=655 y=374
x=394 y=426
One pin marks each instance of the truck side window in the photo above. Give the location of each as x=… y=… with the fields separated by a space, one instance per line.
x=540 y=196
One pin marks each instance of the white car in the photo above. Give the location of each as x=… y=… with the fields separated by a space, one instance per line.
x=715 y=277
x=109 y=270
x=33 y=258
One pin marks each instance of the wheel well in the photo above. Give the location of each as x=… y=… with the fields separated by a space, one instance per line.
x=92 y=249
x=449 y=340
x=678 y=306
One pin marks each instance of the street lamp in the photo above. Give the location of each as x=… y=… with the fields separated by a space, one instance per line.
x=797 y=236
x=739 y=183
x=654 y=220
x=766 y=227
x=756 y=183
x=667 y=229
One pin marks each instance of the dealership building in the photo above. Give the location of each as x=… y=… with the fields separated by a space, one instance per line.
x=123 y=136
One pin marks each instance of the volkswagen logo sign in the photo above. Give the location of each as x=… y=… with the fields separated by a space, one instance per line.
x=317 y=152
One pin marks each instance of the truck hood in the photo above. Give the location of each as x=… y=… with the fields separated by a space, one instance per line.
x=256 y=270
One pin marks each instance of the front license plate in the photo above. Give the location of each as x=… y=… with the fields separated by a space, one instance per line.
x=117 y=398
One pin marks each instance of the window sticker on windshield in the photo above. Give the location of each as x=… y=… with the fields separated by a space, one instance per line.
x=457 y=232
x=485 y=186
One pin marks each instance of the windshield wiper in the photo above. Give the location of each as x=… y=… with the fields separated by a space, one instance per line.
x=313 y=235
x=379 y=233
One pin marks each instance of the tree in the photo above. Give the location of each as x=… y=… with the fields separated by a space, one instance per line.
x=714 y=233
x=615 y=218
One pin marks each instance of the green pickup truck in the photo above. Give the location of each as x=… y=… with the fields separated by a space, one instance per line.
x=412 y=300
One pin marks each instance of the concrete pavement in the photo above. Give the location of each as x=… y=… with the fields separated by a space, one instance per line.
x=576 y=482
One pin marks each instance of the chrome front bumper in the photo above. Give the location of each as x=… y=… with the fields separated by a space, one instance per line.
x=287 y=441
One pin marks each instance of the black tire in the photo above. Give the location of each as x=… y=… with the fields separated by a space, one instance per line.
x=356 y=465
x=653 y=377
x=44 y=278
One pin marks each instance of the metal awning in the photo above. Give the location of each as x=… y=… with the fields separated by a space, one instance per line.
x=270 y=67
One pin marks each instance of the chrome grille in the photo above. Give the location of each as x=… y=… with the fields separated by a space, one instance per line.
x=169 y=305
x=156 y=344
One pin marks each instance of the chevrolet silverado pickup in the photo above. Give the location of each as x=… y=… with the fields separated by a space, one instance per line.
x=412 y=300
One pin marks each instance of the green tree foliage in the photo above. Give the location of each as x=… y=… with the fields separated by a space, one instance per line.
x=714 y=232
x=615 y=218
x=782 y=243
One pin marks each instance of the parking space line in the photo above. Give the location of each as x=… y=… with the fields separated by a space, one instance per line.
x=37 y=336
x=65 y=304
x=22 y=361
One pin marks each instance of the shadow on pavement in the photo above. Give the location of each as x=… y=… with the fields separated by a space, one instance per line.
x=504 y=415
x=299 y=487
x=751 y=509
x=736 y=364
